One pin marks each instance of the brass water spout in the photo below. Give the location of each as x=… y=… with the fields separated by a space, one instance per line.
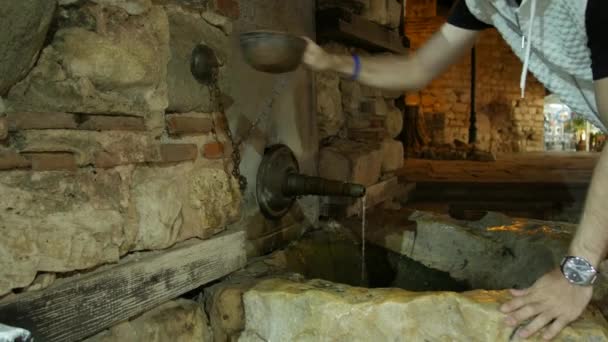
x=279 y=183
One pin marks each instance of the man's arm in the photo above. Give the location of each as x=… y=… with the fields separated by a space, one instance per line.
x=398 y=72
x=552 y=301
x=591 y=241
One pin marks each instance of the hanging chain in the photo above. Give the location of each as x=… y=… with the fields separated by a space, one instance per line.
x=216 y=95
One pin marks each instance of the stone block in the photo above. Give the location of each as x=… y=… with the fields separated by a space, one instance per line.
x=369 y=92
x=41 y=282
x=394 y=122
x=175 y=153
x=189 y=29
x=177 y=320
x=224 y=304
x=350 y=161
x=61 y=222
x=29 y=21
x=375 y=106
x=359 y=121
x=319 y=309
x=487 y=253
x=182 y=201
x=384 y=12
x=120 y=69
x=351 y=96
x=218 y=20
x=132 y=7
x=392 y=155
x=330 y=116
x=185 y=124
x=3 y=127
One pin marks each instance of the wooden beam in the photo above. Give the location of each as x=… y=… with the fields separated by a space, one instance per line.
x=77 y=308
x=340 y=25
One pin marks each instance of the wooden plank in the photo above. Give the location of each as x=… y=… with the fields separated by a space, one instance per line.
x=354 y=6
x=337 y=24
x=274 y=241
x=75 y=309
x=555 y=192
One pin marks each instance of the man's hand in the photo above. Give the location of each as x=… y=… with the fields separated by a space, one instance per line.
x=552 y=301
x=315 y=57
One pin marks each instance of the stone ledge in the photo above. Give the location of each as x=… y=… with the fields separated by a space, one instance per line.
x=320 y=310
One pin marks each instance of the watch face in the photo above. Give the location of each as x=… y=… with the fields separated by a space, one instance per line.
x=578 y=271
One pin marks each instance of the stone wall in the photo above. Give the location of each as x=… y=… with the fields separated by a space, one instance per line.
x=93 y=165
x=505 y=122
x=359 y=125
x=285 y=104
x=109 y=145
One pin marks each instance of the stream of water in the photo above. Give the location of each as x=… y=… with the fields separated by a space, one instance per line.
x=363 y=240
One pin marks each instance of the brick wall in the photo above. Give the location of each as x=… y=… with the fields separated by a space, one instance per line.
x=505 y=122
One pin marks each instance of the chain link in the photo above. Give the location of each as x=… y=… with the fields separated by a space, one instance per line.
x=216 y=95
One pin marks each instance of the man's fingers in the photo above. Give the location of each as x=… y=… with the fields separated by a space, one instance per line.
x=538 y=323
x=554 y=329
x=308 y=40
x=513 y=304
x=519 y=293
x=526 y=312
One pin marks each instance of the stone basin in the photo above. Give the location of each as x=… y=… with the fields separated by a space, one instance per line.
x=428 y=278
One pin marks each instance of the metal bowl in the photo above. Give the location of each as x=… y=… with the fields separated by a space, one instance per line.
x=272 y=51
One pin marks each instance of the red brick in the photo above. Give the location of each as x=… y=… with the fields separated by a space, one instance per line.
x=32 y=120
x=3 y=128
x=106 y=160
x=174 y=153
x=111 y=123
x=377 y=121
x=12 y=160
x=52 y=161
x=228 y=8
x=214 y=150
x=180 y=124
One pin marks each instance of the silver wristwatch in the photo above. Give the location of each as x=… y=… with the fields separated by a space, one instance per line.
x=578 y=271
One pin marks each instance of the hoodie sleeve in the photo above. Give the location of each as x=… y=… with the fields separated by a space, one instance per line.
x=461 y=16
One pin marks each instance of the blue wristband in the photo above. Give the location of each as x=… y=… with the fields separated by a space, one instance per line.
x=357 y=69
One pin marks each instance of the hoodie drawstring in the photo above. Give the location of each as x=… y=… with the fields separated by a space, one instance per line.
x=524 y=71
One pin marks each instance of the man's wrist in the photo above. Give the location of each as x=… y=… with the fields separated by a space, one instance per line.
x=593 y=258
x=341 y=64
